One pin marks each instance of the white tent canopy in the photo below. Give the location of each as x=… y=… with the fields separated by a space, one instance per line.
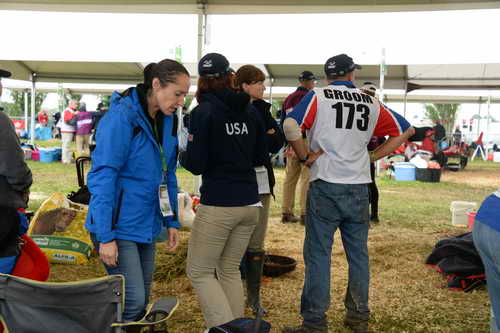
x=481 y=76
x=243 y=6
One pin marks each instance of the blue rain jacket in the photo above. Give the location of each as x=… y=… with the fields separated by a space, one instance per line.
x=126 y=174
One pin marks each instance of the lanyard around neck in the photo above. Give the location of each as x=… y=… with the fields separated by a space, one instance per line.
x=157 y=136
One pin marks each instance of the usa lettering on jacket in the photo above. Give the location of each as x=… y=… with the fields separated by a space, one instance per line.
x=236 y=128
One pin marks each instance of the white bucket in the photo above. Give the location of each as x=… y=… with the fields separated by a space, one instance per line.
x=459 y=210
x=496 y=156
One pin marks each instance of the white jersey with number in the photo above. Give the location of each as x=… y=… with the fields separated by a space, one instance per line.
x=340 y=120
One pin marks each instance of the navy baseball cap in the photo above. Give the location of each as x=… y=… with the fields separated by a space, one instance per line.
x=4 y=73
x=340 y=65
x=306 y=76
x=213 y=65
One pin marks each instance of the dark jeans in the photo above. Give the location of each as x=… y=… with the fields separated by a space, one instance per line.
x=331 y=207
x=487 y=242
x=136 y=261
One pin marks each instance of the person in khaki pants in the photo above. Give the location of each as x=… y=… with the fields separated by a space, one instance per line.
x=225 y=143
x=294 y=169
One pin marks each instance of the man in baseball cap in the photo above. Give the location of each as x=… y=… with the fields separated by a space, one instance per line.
x=337 y=198
x=340 y=65
x=295 y=171
x=213 y=65
x=307 y=76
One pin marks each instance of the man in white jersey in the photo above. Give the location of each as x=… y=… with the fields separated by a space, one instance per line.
x=340 y=120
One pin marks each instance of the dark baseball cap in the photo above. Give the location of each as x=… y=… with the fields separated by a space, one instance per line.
x=340 y=65
x=213 y=65
x=4 y=73
x=306 y=76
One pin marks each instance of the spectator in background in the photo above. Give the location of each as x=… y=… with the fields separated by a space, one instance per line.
x=457 y=136
x=68 y=129
x=375 y=141
x=294 y=169
x=57 y=127
x=83 y=129
x=439 y=134
x=97 y=116
x=43 y=118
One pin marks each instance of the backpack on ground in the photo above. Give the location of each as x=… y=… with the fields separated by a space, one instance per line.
x=458 y=259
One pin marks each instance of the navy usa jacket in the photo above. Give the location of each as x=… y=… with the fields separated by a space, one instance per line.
x=127 y=172
x=226 y=142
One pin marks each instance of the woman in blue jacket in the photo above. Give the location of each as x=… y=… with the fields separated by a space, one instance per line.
x=132 y=181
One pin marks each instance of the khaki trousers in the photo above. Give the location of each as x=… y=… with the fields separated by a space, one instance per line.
x=82 y=143
x=256 y=243
x=219 y=238
x=294 y=170
x=66 y=138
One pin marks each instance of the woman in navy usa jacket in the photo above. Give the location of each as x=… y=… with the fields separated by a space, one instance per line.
x=136 y=153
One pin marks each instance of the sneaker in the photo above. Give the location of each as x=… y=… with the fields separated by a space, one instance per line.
x=356 y=325
x=289 y=218
x=303 y=329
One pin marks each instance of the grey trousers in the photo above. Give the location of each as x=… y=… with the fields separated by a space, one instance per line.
x=219 y=238
x=256 y=243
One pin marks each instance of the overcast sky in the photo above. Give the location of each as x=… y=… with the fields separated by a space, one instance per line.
x=439 y=37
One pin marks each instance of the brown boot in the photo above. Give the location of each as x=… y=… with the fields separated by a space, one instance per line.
x=289 y=218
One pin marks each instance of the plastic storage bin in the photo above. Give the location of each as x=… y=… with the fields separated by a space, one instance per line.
x=459 y=210
x=428 y=175
x=404 y=171
x=57 y=154
x=47 y=155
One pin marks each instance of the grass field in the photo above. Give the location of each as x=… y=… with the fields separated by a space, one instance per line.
x=405 y=296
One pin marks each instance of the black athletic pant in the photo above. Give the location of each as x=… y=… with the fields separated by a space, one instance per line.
x=373 y=193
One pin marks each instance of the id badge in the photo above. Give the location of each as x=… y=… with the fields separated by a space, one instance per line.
x=165 y=208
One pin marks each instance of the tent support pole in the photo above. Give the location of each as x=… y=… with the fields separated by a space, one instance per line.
x=26 y=107
x=33 y=98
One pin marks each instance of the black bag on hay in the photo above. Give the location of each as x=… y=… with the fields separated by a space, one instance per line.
x=82 y=196
x=242 y=325
x=458 y=259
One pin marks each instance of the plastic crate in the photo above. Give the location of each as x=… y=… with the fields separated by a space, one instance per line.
x=428 y=175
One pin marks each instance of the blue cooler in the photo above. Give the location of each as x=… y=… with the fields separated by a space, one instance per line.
x=46 y=155
x=404 y=171
x=57 y=154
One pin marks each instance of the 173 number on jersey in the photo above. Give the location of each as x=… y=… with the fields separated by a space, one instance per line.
x=351 y=110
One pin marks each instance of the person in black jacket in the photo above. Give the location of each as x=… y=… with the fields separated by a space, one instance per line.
x=250 y=79
x=225 y=143
x=15 y=182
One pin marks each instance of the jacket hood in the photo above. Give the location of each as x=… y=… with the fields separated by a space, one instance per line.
x=230 y=101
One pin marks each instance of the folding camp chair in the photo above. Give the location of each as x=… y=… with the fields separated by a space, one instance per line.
x=86 y=306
